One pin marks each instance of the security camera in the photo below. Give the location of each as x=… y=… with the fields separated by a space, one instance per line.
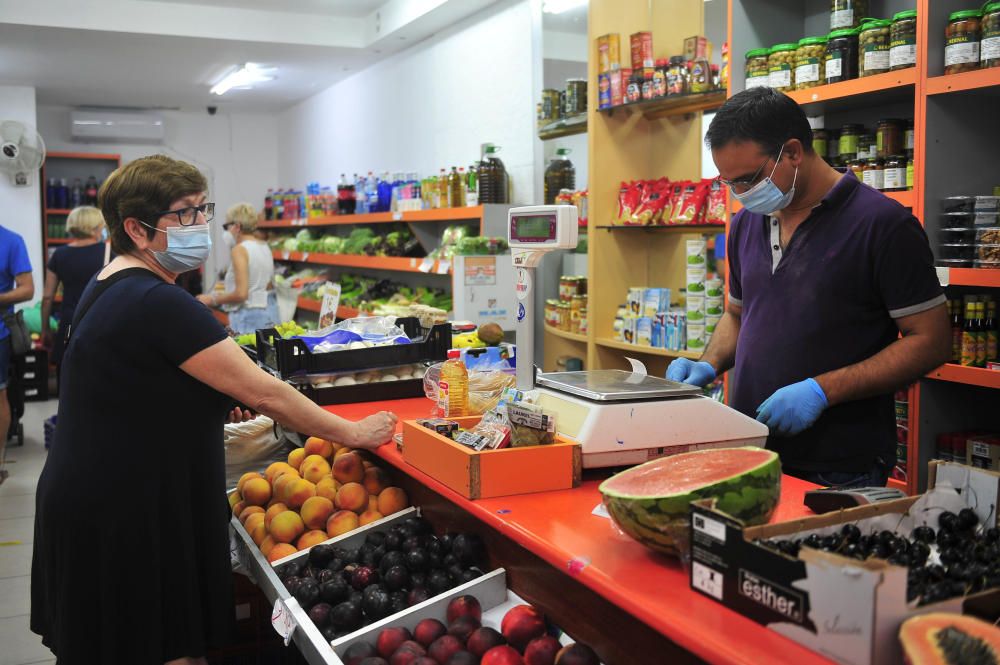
x=212 y=110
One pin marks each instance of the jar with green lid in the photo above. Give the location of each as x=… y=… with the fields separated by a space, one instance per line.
x=903 y=40
x=847 y=13
x=841 y=55
x=874 y=173
x=873 y=48
x=810 y=62
x=894 y=174
x=867 y=146
x=849 y=136
x=889 y=137
x=756 y=68
x=780 y=61
x=989 y=48
x=961 y=38
x=819 y=142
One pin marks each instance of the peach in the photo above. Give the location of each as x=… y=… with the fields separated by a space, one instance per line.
x=272 y=511
x=253 y=522
x=352 y=496
x=244 y=478
x=257 y=491
x=348 y=469
x=234 y=498
x=297 y=493
x=310 y=538
x=282 y=483
x=238 y=508
x=372 y=502
x=248 y=511
x=259 y=533
x=314 y=468
x=327 y=488
x=316 y=511
x=343 y=450
x=375 y=480
x=286 y=527
x=280 y=551
x=271 y=472
x=317 y=446
x=295 y=457
x=369 y=516
x=341 y=522
x=392 y=500
x=367 y=464
x=266 y=545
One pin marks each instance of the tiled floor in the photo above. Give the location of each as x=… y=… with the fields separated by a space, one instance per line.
x=17 y=508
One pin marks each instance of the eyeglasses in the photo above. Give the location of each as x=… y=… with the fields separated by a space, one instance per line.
x=227 y=225
x=188 y=216
x=744 y=183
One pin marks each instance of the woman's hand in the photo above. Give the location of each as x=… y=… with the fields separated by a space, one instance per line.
x=373 y=431
x=238 y=415
x=206 y=299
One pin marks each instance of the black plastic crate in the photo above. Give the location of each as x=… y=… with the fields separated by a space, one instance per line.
x=291 y=357
x=365 y=392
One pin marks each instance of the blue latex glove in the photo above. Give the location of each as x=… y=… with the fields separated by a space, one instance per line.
x=698 y=373
x=793 y=408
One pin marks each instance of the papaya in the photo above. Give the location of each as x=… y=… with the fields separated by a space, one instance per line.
x=941 y=638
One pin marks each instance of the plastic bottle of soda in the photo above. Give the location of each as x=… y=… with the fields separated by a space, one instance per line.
x=76 y=194
x=90 y=193
x=269 y=205
x=453 y=387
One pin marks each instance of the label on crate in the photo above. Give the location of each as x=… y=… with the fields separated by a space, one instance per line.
x=706 y=579
x=282 y=621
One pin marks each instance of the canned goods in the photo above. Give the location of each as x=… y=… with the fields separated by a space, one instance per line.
x=576 y=97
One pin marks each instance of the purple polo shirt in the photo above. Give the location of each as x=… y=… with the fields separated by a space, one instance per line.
x=859 y=261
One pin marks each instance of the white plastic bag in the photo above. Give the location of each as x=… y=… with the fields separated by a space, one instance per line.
x=251 y=446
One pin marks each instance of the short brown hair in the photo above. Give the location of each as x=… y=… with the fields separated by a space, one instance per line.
x=143 y=188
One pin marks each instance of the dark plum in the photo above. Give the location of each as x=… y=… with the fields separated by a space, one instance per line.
x=334 y=591
x=468 y=548
x=307 y=593
x=416 y=560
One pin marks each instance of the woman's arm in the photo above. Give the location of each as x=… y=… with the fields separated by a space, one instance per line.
x=241 y=271
x=225 y=367
x=48 y=297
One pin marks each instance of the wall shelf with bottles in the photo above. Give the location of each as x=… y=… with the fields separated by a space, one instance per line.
x=563 y=127
x=469 y=213
x=69 y=179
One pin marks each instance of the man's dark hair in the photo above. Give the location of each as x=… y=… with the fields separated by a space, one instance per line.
x=762 y=115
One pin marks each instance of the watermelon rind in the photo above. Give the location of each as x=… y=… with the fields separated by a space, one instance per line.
x=661 y=522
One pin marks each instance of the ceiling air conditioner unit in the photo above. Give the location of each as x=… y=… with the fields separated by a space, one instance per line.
x=117 y=126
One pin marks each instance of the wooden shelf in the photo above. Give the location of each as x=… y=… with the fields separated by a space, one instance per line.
x=976 y=80
x=563 y=127
x=646 y=350
x=435 y=215
x=58 y=211
x=392 y=263
x=969 y=277
x=907 y=198
x=58 y=241
x=565 y=334
x=676 y=228
x=972 y=376
x=313 y=305
x=878 y=84
x=665 y=107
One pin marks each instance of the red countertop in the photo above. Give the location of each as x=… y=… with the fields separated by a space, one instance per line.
x=561 y=528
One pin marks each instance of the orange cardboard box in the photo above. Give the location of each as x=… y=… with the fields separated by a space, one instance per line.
x=491 y=473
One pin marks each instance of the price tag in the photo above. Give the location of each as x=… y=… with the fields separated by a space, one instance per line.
x=397 y=216
x=426 y=265
x=305 y=256
x=285 y=254
x=282 y=621
x=944 y=276
x=331 y=301
x=443 y=267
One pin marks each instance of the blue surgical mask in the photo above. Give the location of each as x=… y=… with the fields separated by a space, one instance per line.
x=104 y=234
x=765 y=197
x=188 y=247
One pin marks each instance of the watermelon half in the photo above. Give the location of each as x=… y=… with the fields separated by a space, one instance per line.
x=650 y=502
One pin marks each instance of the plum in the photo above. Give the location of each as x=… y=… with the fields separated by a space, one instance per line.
x=464 y=606
x=483 y=639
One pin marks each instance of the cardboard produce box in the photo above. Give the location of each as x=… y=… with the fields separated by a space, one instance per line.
x=490 y=473
x=845 y=609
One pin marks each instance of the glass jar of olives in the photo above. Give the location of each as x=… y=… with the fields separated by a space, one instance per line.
x=961 y=38
x=847 y=13
x=841 y=55
x=756 y=68
x=989 y=51
x=873 y=48
x=903 y=40
x=779 y=67
x=810 y=62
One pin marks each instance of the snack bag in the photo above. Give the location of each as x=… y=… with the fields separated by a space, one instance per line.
x=715 y=206
x=675 y=200
x=628 y=200
x=691 y=205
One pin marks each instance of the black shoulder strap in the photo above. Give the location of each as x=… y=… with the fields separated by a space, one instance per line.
x=95 y=293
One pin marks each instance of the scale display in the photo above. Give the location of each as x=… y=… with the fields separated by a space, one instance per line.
x=533 y=228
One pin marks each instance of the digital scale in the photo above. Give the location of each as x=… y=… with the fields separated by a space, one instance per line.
x=619 y=417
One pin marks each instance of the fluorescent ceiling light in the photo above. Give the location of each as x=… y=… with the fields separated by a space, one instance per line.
x=243 y=77
x=560 y=6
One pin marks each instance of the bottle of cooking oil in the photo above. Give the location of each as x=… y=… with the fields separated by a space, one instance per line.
x=559 y=175
x=453 y=387
x=456 y=190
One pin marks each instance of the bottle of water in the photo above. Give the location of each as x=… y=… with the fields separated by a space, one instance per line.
x=371 y=193
x=360 y=196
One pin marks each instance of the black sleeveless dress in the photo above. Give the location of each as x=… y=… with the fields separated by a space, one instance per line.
x=131 y=552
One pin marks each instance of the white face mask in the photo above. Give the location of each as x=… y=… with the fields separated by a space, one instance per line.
x=765 y=197
x=188 y=247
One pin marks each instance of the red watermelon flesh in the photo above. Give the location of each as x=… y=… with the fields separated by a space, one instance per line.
x=689 y=471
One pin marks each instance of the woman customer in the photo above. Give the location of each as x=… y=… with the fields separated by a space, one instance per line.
x=249 y=298
x=73 y=265
x=131 y=547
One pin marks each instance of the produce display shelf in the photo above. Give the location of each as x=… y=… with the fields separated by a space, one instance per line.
x=647 y=350
x=972 y=376
x=314 y=305
x=561 y=528
x=58 y=241
x=565 y=334
x=974 y=80
x=434 y=215
x=393 y=263
x=889 y=83
x=676 y=228
x=969 y=277
x=563 y=127
x=58 y=211
x=654 y=109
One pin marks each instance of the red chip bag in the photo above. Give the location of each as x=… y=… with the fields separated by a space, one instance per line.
x=715 y=207
x=691 y=204
x=628 y=200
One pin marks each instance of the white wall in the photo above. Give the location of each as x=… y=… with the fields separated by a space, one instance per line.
x=425 y=108
x=21 y=206
x=237 y=152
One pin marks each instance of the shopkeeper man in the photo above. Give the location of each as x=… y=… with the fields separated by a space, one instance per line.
x=825 y=273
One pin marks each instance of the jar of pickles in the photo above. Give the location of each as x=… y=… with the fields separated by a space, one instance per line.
x=849 y=138
x=779 y=67
x=989 y=51
x=894 y=174
x=842 y=55
x=847 y=13
x=961 y=38
x=873 y=48
x=810 y=62
x=756 y=68
x=889 y=137
x=903 y=40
